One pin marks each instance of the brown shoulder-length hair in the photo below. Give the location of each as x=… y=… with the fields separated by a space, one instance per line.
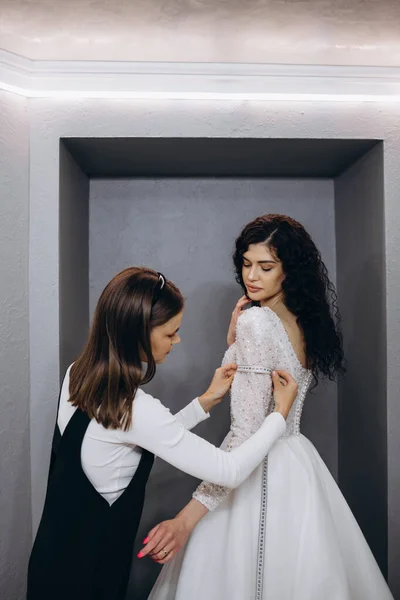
x=105 y=377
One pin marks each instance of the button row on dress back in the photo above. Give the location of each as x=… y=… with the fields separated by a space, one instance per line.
x=262 y=532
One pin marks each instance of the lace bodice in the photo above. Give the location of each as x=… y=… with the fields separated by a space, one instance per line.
x=262 y=345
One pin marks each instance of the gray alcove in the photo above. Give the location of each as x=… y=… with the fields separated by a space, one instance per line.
x=176 y=205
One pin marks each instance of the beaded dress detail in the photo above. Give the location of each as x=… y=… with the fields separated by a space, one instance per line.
x=261 y=340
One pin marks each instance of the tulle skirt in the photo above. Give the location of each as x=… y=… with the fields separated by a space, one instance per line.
x=313 y=548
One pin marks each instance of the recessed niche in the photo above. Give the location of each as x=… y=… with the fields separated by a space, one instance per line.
x=176 y=205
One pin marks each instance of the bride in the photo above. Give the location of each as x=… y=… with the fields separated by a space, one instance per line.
x=286 y=533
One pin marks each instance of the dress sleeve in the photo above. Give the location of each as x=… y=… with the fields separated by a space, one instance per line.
x=157 y=430
x=251 y=392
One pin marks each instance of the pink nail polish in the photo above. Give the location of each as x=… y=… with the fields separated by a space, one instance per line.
x=140 y=555
x=145 y=540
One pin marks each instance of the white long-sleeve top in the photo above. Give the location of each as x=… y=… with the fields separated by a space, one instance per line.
x=110 y=457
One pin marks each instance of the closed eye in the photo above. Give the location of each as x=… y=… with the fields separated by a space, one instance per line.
x=265 y=270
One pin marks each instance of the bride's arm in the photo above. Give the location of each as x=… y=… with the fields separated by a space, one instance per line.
x=170 y=536
x=251 y=392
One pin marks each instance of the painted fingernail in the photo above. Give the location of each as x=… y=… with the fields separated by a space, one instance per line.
x=140 y=555
x=145 y=540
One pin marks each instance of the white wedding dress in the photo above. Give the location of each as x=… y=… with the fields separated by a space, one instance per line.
x=287 y=532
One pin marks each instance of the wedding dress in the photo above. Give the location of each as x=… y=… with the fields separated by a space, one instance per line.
x=287 y=532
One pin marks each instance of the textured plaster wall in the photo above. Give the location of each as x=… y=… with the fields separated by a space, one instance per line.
x=15 y=484
x=51 y=120
x=186 y=228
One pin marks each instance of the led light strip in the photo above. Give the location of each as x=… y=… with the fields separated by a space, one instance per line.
x=142 y=95
x=240 y=96
x=197 y=81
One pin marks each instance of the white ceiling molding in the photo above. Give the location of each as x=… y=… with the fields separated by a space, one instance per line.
x=100 y=79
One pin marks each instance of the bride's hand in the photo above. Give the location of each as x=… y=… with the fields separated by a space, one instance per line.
x=165 y=540
x=237 y=311
x=219 y=386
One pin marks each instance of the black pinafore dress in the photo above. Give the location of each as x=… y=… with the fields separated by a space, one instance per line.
x=83 y=548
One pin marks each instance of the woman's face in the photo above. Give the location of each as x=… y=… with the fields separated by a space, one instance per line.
x=164 y=337
x=262 y=273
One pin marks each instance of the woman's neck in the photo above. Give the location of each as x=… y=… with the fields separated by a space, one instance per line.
x=276 y=303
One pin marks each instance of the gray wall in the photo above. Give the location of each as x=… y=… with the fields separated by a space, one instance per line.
x=15 y=485
x=186 y=228
x=52 y=119
x=74 y=259
x=360 y=226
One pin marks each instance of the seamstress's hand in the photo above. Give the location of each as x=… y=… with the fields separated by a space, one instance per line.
x=285 y=391
x=237 y=311
x=219 y=386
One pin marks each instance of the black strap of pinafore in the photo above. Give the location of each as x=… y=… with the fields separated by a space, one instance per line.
x=56 y=439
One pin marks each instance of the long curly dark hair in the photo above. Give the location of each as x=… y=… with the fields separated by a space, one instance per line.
x=308 y=292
